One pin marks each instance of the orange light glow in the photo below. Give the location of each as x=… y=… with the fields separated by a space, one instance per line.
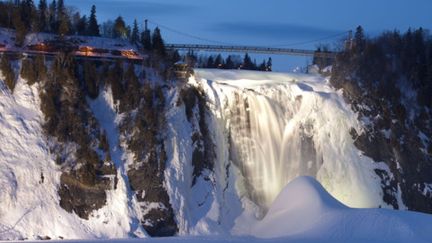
x=129 y=54
x=40 y=47
x=87 y=50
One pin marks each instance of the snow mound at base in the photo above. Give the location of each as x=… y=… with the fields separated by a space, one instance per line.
x=297 y=208
x=304 y=192
x=305 y=210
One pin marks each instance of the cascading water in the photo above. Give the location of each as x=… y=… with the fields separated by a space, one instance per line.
x=263 y=143
x=280 y=126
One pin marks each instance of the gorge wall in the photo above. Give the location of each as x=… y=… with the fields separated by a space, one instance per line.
x=104 y=150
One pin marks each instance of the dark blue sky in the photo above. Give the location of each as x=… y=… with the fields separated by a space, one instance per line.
x=266 y=22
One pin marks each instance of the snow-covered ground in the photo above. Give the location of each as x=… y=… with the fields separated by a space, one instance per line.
x=305 y=212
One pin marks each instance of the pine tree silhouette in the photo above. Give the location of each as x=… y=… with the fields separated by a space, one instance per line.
x=93 y=26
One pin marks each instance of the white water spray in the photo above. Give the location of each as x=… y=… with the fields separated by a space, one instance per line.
x=280 y=126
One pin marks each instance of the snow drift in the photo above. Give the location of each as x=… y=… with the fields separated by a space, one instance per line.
x=305 y=210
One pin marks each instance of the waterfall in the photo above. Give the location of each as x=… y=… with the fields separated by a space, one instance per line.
x=280 y=126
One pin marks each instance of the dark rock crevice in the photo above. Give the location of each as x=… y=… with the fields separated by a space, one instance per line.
x=196 y=109
x=142 y=131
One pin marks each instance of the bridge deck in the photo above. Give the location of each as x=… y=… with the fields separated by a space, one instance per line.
x=252 y=49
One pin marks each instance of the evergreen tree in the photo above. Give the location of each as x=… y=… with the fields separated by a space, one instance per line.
x=42 y=19
x=20 y=28
x=81 y=26
x=218 y=61
x=128 y=32
x=210 y=62
x=158 y=43
x=135 y=33
x=229 y=64
x=107 y=29
x=8 y=72
x=28 y=14
x=269 y=64
x=175 y=57
x=247 y=63
x=359 y=39
x=6 y=10
x=120 y=30
x=63 y=27
x=146 y=40
x=75 y=19
x=191 y=58
x=52 y=16
x=93 y=26
x=263 y=66
x=60 y=8
x=62 y=19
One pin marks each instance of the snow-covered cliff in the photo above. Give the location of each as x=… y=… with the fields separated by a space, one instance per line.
x=203 y=158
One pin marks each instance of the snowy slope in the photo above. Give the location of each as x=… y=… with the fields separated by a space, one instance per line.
x=29 y=178
x=28 y=174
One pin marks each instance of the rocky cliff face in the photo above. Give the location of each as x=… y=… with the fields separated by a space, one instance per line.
x=76 y=140
x=130 y=153
x=106 y=136
x=403 y=144
x=385 y=81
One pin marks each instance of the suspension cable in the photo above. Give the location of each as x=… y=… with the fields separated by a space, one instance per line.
x=312 y=41
x=189 y=35
x=231 y=44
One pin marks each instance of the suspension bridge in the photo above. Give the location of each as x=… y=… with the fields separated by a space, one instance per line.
x=226 y=47
x=252 y=49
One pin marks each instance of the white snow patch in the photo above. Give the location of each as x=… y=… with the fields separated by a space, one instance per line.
x=29 y=175
x=304 y=210
x=122 y=211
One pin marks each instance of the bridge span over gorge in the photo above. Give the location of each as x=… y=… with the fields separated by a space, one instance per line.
x=252 y=49
x=219 y=46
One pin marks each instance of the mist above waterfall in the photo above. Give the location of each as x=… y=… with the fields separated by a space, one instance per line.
x=280 y=126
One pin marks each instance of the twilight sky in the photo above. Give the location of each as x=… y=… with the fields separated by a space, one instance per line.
x=266 y=22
